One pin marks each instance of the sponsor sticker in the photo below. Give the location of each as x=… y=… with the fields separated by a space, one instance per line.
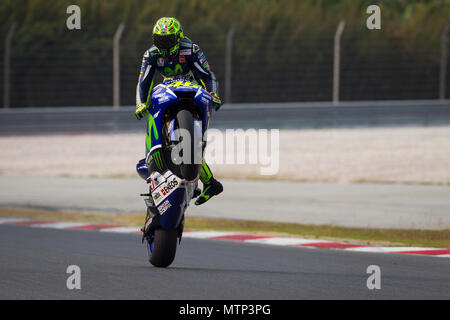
x=204 y=100
x=157 y=196
x=163 y=99
x=159 y=95
x=163 y=190
x=182 y=59
x=195 y=48
x=164 y=207
x=160 y=62
x=170 y=186
x=153 y=184
x=185 y=52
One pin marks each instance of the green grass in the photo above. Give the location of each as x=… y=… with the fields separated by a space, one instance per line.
x=386 y=237
x=429 y=238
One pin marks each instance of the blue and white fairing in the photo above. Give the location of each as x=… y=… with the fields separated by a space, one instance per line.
x=164 y=95
x=171 y=196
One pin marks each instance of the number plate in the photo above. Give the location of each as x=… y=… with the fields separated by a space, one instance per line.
x=165 y=188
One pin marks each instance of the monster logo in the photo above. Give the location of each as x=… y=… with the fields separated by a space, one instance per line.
x=170 y=72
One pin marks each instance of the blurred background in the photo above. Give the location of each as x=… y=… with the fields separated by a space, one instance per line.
x=354 y=106
x=361 y=140
x=281 y=51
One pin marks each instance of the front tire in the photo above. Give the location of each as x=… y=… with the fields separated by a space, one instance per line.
x=164 y=248
x=190 y=171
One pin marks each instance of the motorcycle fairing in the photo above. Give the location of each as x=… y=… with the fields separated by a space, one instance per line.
x=163 y=96
x=170 y=201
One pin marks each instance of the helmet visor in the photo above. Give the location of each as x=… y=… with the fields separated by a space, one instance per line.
x=165 y=42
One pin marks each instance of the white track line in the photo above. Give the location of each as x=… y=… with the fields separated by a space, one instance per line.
x=285 y=241
x=120 y=230
x=207 y=234
x=390 y=249
x=12 y=220
x=59 y=225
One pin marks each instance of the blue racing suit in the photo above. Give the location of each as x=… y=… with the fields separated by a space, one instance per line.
x=190 y=63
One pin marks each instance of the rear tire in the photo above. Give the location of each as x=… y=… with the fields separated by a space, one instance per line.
x=165 y=248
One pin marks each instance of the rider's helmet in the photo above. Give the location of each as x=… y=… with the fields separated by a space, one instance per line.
x=167 y=34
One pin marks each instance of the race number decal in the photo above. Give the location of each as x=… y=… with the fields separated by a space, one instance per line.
x=187 y=84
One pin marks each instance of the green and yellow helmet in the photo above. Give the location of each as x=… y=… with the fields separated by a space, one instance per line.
x=167 y=34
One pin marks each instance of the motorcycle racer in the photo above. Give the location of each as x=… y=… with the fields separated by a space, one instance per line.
x=174 y=55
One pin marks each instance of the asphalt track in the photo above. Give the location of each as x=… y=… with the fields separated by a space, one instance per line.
x=33 y=264
x=351 y=205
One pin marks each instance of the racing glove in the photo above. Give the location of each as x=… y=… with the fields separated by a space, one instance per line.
x=217 y=103
x=141 y=111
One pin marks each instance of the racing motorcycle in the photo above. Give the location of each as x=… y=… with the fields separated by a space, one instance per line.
x=178 y=120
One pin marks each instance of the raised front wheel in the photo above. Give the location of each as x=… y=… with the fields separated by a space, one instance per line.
x=190 y=170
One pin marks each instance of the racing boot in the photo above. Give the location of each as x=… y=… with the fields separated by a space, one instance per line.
x=197 y=192
x=211 y=187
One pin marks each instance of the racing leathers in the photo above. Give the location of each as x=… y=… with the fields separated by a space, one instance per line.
x=189 y=63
